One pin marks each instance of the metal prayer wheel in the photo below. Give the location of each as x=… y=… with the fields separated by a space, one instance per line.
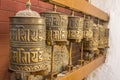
x=95 y=40
x=101 y=37
x=27 y=41
x=88 y=24
x=75 y=34
x=75 y=28
x=107 y=37
x=56 y=29
x=92 y=44
x=56 y=34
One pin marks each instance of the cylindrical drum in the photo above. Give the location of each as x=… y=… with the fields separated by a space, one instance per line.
x=88 y=33
x=101 y=37
x=56 y=27
x=107 y=37
x=92 y=44
x=27 y=41
x=75 y=28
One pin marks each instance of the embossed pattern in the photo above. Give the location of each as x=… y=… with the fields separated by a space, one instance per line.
x=27 y=44
x=101 y=36
x=88 y=33
x=56 y=26
x=75 y=28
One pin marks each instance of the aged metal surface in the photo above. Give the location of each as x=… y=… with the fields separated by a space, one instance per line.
x=60 y=58
x=75 y=34
x=92 y=44
x=81 y=6
x=91 y=40
x=27 y=41
x=56 y=29
x=95 y=37
x=106 y=37
x=56 y=24
x=88 y=33
x=75 y=28
x=101 y=36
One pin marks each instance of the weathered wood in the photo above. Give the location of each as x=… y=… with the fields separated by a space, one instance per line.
x=81 y=6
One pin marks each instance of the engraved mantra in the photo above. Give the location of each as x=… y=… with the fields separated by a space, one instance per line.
x=75 y=23
x=27 y=35
x=56 y=34
x=55 y=20
x=21 y=56
x=75 y=33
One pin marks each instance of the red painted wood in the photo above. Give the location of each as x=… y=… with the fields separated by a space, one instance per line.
x=4 y=56
x=34 y=2
x=12 y=5
x=45 y=5
x=4 y=15
x=4 y=27
x=4 y=75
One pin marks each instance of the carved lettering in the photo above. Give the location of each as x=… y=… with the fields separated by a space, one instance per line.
x=15 y=56
x=25 y=57
x=35 y=56
x=27 y=35
x=55 y=35
x=21 y=56
x=75 y=34
x=24 y=35
x=34 y=35
x=55 y=20
x=49 y=34
x=13 y=36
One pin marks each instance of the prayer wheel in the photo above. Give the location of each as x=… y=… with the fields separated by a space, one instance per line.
x=56 y=27
x=106 y=36
x=56 y=34
x=27 y=41
x=75 y=28
x=88 y=33
x=75 y=35
x=101 y=37
x=92 y=44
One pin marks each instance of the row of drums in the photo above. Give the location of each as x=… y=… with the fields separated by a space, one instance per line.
x=32 y=34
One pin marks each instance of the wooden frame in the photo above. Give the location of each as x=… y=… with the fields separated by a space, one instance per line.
x=81 y=6
x=83 y=71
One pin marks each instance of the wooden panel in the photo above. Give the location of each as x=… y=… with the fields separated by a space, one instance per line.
x=4 y=56
x=82 y=72
x=4 y=39
x=81 y=6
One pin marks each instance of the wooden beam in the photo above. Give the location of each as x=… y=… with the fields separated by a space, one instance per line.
x=83 y=72
x=81 y=6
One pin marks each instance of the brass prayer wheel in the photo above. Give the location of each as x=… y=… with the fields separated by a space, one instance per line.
x=75 y=28
x=75 y=34
x=92 y=44
x=27 y=41
x=56 y=27
x=107 y=37
x=101 y=37
x=95 y=40
x=56 y=34
x=88 y=33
